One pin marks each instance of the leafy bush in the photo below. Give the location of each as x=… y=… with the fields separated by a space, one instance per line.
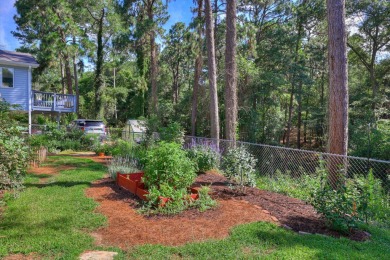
x=204 y=157
x=172 y=133
x=373 y=203
x=360 y=198
x=167 y=164
x=204 y=202
x=14 y=156
x=55 y=139
x=337 y=206
x=239 y=166
x=121 y=148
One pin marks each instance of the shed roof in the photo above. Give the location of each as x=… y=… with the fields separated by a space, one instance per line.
x=13 y=58
x=138 y=126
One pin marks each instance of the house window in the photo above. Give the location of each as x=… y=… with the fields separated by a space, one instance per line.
x=7 y=77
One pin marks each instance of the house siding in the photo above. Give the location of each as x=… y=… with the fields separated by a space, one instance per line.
x=18 y=95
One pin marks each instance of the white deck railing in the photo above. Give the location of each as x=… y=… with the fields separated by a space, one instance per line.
x=46 y=101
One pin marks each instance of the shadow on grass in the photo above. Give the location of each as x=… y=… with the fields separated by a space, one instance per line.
x=64 y=184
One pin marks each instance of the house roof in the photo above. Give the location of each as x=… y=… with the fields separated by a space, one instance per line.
x=13 y=58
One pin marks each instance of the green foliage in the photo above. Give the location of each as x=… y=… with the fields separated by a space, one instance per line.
x=167 y=164
x=204 y=202
x=14 y=156
x=360 y=198
x=372 y=142
x=239 y=166
x=57 y=139
x=204 y=157
x=337 y=206
x=176 y=204
x=297 y=187
x=373 y=203
x=173 y=132
x=121 y=148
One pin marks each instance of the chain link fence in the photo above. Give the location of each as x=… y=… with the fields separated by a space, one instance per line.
x=274 y=162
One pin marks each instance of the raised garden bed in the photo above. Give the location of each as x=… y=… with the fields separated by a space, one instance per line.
x=133 y=182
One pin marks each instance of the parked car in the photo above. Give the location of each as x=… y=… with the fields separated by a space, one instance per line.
x=90 y=126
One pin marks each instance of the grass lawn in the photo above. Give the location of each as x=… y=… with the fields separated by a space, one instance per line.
x=52 y=221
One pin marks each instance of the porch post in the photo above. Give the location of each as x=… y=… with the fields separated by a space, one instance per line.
x=29 y=99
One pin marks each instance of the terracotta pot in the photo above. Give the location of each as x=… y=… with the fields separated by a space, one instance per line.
x=195 y=190
x=163 y=201
x=194 y=196
x=101 y=154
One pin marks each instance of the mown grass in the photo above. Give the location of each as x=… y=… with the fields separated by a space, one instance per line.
x=266 y=241
x=51 y=219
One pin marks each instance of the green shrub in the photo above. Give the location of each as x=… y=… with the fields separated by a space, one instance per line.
x=172 y=133
x=122 y=148
x=204 y=202
x=204 y=157
x=239 y=166
x=167 y=164
x=337 y=206
x=14 y=156
x=373 y=203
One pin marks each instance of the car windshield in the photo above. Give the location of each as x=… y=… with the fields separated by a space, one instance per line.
x=93 y=123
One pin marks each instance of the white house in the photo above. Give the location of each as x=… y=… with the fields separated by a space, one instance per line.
x=16 y=88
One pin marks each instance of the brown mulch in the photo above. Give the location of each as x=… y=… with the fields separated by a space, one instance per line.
x=126 y=227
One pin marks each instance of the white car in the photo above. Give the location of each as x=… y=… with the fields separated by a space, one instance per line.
x=90 y=126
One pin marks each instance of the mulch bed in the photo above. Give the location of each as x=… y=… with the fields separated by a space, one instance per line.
x=126 y=227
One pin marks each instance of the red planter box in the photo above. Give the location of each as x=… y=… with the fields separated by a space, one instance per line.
x=136 y=176
x=141 y=193
x=132 y=182
x=125 y=182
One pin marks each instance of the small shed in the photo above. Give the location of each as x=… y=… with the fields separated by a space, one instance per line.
x=134 y=130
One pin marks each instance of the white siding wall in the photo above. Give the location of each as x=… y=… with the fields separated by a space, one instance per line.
x=19 y=93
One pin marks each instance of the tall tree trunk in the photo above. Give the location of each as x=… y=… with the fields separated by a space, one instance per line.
x=305 y=122
x=68 y=74
x=212 y=71
x=299 y=123
x=153 y=61
x=76 y=80
x=198 y=70
x=99 y=86
x=62 y=77
x=296 y=60
x=338 y=88
x=230 y=72
x=290 y=110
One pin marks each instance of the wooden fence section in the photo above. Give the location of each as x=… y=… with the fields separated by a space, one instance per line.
x=39 y=157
